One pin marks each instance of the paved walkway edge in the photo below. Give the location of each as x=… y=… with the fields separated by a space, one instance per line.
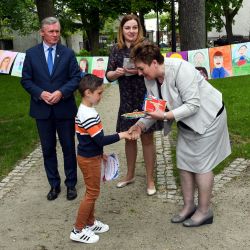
x=168 y=191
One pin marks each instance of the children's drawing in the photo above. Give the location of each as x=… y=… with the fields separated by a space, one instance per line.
x=241 y=58
x=200 y=58
x=99 y=66
x=6 y=60
x=84 y=64
x=180 y=54
x=220 y=62
x=18 y=65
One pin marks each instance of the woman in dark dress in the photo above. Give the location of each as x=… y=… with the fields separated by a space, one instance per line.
x=132 y=93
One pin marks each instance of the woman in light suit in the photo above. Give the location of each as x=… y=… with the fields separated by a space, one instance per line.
x=203 y=139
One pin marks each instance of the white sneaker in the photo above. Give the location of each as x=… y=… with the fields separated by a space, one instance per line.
x=85 y=236
x=98 y=227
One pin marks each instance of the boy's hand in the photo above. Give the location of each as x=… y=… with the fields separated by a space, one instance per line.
x=105 y=157
x=125 y=135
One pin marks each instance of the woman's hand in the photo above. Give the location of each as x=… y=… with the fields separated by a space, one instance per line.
x=119 y=72
x=160 y=115
x=135 y=132
x=131 y=71
x=115 y=74
x=157 y=114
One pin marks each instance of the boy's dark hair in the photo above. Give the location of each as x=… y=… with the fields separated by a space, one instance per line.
x=91 y=82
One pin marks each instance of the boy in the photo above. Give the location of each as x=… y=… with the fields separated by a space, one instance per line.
x=91 y=139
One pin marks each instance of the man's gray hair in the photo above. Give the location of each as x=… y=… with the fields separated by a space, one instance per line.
x=48 y=21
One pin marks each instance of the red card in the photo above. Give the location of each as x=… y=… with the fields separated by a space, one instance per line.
x=151 y=104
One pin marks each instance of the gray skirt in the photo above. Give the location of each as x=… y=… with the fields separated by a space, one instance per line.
x=201 y=153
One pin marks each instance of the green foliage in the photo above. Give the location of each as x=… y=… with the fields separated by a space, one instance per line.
x=100 y=52
x=103 y=52
x=69 y=19
x=17 y=15
x=147 y=6
x=83 y=52
x=110 y=29
x=216 y=10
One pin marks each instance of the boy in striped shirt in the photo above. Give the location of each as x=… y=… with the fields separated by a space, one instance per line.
x=91 y=140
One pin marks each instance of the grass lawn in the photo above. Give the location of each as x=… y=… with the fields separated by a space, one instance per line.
x=18 y=134
x=236 y=93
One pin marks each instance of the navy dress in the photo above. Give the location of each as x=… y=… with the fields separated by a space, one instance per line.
x=132 y=91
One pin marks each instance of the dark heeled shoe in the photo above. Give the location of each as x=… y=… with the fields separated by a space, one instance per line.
x=178 y=219
x=208 y=219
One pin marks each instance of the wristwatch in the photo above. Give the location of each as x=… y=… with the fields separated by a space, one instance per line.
x=165 y=116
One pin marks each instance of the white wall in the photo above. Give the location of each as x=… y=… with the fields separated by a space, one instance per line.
x=151 y=25
x=22 y=43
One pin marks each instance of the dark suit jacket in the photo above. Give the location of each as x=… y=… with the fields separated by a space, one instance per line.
x=65 y=77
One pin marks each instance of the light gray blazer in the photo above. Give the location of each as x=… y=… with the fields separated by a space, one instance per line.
x=192 y=99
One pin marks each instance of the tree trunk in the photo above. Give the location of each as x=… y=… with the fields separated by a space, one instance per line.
x=192 y=24
x=229 y=28
x=92 y=30
x=142 y=21
x=93 y=40
x=45 y=8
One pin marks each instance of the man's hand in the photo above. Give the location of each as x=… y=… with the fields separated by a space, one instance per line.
x=51 y=98
x=55 y=97
x=46 y=96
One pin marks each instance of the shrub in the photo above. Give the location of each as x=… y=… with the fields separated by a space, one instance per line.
x=83 y=52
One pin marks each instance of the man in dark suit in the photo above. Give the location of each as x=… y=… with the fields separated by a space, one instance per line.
x=51 y=75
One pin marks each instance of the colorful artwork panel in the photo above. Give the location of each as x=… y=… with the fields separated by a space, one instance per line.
x=241 y=58
x=85 y=64
x=200 y=58
x=6 y=61
x=220 y=62
x=180 y=54
x=99 y=67
x=18 y=65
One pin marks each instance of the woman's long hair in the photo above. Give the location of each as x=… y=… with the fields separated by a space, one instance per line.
x=120 y=38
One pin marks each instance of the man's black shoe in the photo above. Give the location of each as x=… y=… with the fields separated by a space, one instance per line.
x=53 y=193
x=71 y=193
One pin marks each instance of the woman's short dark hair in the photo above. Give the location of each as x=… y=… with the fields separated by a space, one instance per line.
x=146 y=52
x=91 y=82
